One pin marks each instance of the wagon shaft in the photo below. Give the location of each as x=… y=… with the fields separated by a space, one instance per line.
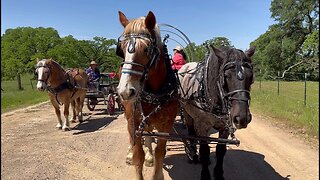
x=179 y=137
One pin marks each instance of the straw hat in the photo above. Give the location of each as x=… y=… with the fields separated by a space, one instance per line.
x=93 y=63
x=179 y=48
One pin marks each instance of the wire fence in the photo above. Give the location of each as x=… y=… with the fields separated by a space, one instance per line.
x=293 y=88
x=294 y=98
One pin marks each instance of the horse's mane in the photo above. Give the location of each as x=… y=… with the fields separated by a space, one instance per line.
x=137 y=26
x=53 y=63
x=233 y=54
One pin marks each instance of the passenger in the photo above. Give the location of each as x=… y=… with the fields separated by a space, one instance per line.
x=93 y=72
x=179 y=58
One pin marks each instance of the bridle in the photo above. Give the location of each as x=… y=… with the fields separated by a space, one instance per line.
x=152 y=51
x=49 y=72
x=228 y=97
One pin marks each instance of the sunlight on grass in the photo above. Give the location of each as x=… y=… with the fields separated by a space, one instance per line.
x=289 y=104
x=12 y=98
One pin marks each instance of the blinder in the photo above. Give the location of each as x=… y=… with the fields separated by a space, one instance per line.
x=152 y=51
x=240 y=74
x=119 y=51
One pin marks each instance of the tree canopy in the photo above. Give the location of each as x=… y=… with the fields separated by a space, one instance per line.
x=292 y=40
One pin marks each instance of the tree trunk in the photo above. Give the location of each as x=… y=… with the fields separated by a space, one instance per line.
x=19 y=82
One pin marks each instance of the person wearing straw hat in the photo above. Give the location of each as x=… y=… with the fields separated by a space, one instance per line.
x=93 y=72
x=179 y=58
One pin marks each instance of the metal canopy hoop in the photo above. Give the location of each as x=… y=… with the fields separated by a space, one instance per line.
x=180 y=36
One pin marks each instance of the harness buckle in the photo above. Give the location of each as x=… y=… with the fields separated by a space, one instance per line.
x=148 y=97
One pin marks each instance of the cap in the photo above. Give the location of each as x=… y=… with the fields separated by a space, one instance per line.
x=93 y=62
x=179 y=48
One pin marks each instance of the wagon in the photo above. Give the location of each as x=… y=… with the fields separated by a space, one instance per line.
x=104 y=91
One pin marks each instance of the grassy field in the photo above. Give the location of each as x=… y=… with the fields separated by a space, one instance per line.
x=12 y=98
x=289 y=104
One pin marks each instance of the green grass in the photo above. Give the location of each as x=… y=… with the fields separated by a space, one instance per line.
x=12 y=98
x=289 y=104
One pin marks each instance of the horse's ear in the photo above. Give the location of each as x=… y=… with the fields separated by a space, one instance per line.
x=123 y=19
x=37 y=60
x=150 y=21
x=250 y=51
x=50 y=59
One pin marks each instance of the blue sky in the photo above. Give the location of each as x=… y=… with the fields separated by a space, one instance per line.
x=241 y=21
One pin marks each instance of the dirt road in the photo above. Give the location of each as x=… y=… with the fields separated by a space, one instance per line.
x=31 y=148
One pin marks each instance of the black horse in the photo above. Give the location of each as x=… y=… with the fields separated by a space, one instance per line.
x=216 y=94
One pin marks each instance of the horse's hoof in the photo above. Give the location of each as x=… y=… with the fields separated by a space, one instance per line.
x=66 y=128
x=58 y=126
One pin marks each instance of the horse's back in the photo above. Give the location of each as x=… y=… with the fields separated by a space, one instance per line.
x=80 y=77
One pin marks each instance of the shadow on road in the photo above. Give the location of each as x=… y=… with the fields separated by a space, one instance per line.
x=93 y=124
x=238 y=164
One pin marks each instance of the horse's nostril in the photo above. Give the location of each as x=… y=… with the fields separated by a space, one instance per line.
x=236 y=120
x=132 y=92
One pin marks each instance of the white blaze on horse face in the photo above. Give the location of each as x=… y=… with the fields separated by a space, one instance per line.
x=41 y=85
x=127 y=84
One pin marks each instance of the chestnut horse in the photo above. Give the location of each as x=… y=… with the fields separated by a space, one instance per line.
x=64 y=87
x=147 y=87
x=216 y=93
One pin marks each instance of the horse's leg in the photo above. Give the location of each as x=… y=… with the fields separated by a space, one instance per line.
x=191 y=148
x=148 y=151
x=137 y=150
x=129 y=156
x=74 y=117
x=77 y=107
x=159 y=153
x=138 y=158
x=66 y=115
x=204 y=159
x=80 y=115
x=57 y=110
x=221 y=150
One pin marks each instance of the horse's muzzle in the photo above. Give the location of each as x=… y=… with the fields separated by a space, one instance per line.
x=128 y=94
x=242 y=121
x=41 y=86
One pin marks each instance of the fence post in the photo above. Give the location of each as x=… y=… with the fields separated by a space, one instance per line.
x=31 y=84
x=260 y=80
x=278 y=82
x=305 y=89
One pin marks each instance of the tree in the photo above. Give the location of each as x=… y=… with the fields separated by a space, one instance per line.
x=102 y=51
x=201 y=50
x=288 y=42
x=20 y=46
